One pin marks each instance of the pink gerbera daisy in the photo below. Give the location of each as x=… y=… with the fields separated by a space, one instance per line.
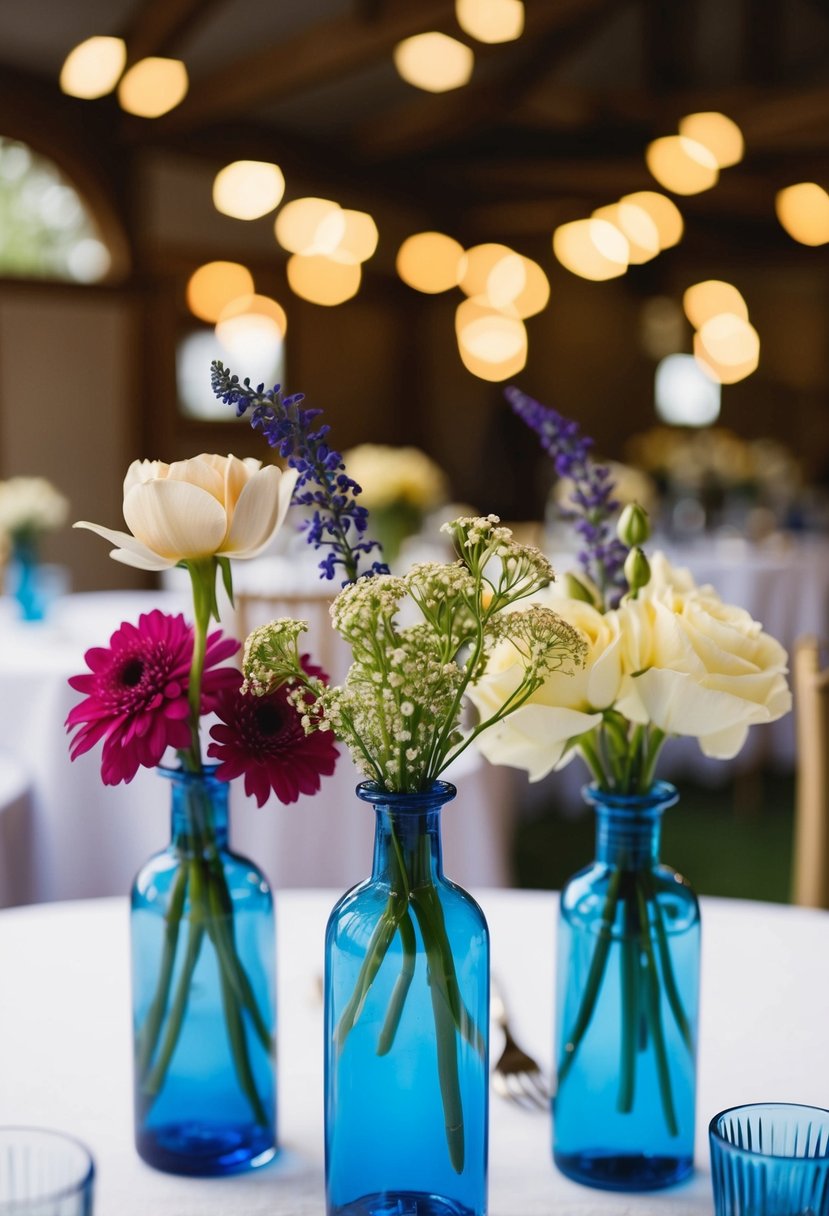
x=137 y=693
x=263 y=738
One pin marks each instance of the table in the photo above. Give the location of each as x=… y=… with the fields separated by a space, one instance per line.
x=86 y=839
x=65 y=1049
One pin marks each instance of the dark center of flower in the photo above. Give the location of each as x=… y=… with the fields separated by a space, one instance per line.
x=131 y=672
x=269 y=719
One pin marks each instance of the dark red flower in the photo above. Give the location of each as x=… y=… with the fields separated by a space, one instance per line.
x=263 y=738
x=137 y=693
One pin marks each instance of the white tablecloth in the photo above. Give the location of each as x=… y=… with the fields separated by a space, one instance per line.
x=87 y=839
x=65 y=1049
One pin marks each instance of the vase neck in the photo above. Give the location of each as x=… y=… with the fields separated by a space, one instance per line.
x=407 y=842
x=629 y=827
x=199 y=810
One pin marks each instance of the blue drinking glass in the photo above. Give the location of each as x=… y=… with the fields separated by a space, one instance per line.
x=770 y=1159
x=44 y=1173
x=627 y=994
x=406 y=1027
x=203 y=985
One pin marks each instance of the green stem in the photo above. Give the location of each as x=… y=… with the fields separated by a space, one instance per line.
x=587 y=747
x=239 y=1049
x=654 y=746
x=155 y=1079
x=447 y=1053
x=219 y=925
x=376 y=951
x=654 y=1016
x=401 y=987
x=151 y=1027
x=595 y=975
x=629 y=979
x=668 y=975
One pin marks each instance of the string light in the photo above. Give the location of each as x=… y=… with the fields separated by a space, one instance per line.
x=93 y=68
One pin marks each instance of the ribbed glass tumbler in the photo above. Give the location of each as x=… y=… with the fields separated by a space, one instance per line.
x=44 y=1173
x=770 y=1159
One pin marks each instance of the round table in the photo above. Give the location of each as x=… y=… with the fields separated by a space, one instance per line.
x=65 y=1052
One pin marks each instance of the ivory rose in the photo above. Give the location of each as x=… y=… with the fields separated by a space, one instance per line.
x=537 y=736
x=198 y=508
x=695 y=666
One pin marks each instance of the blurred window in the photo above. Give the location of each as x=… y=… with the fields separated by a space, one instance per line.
x=263 y=361
x=46 y=228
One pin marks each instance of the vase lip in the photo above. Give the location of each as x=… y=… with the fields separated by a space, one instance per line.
x=661 y=795
x=436 y=795
x=179 y=773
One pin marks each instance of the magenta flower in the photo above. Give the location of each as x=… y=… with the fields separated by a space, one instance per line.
x=137 y=693
x=263 y=739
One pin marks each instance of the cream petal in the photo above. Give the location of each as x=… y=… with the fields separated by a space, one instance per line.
x=256 y=517
x=144 y=470
x=605 y=676
x=199 y=471
x=534 y=738
x=679 y=705
x=175 y=519
x=138 y=554
x=724 y=744
x=236 y=477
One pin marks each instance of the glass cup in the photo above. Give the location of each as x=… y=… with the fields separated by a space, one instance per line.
x=44 y=1173
x=770 y=1159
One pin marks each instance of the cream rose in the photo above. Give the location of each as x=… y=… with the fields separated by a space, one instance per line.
x=193 y=509
x=536 y=736
x=698 y=667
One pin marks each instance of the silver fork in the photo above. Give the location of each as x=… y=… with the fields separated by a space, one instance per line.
x=516 y=1075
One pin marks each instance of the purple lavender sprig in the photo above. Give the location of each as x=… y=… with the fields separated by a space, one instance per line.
x=338 y=520
x=591 y=506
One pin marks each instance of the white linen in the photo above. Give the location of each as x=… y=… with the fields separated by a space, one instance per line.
x=65 y=1049
x=87 y=839
x=15 y=820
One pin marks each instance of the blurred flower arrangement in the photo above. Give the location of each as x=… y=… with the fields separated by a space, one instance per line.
x=664 y=658
x=724 y=473
x=30 y=507
x=400 y=485
x=149 y=690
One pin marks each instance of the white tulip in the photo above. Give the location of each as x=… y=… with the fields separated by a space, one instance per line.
x=208 y=506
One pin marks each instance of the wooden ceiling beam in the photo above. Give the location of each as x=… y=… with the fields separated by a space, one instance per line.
x=323 y=52
x=555 y=30
x=159 y=27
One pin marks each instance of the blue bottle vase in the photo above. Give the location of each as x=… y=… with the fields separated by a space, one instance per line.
x=203 y=990
x=406 y=1027
x=627 y=995
x=24 y=578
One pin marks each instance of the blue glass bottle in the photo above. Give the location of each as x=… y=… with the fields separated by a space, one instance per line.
x=627 y=996
x=203 y=991
x=24 y=578
x=406 y=1027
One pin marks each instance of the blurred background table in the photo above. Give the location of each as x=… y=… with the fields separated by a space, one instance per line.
x=762 y=1036
x=66 y=836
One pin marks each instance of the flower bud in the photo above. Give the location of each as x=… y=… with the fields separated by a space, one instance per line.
x=637 y=570
x=633 y=528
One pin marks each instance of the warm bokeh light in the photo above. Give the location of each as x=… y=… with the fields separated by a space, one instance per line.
x=302 y=225
x=491 y=20
x=153 y=87
x=94 y=67
x=251 y=324
x=664 y=213
x=489 y=334
x=493 y=372
x=434 y=62
x=477 y=265
x=253 y=305
x=723 y=373
x=430 y=262
x=592 y=249
x=803 y=210
x=685 y=393
x=535 y=294
x=248 y=189
x=636 y=226
x=682 y=165
x=212 y=287
x=322 y=280
x=716 y=132
x=710 y=298
x=729 y=340
x=359 y=237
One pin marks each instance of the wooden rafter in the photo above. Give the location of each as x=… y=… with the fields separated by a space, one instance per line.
x=159 y=27
x=324 y=52
x=555 y=30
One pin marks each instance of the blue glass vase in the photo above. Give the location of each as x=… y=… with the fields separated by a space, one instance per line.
x=407 y=1027
x=24 y=581
x=627 y=997
x=203 y=992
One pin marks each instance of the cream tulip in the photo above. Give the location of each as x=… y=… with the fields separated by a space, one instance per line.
x=538 y=736
x=191 y=510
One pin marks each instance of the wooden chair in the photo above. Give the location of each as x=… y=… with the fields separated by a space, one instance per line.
x=810 y=879
x=254 y=608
